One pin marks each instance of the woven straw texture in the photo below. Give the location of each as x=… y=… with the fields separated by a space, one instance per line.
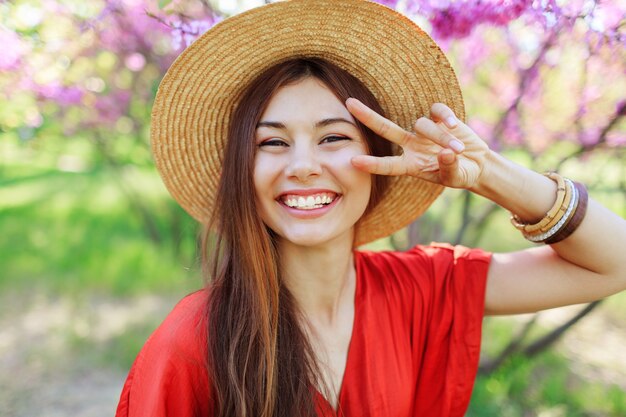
x=400 y=64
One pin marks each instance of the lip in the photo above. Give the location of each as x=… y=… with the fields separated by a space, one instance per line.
x=311 y=213
x=306 y=192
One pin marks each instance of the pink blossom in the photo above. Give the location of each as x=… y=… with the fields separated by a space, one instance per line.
x=13 y=48
x=512 y=133
x=577 y=7
x=616 y=139
x=505 y=87
x=610 y=13
x=111 y=107
x=184 y=34
x=63 y=95
x=589 y=136
x=474 y=51
x=457 y=19
x=125 y=25
x=135 y=62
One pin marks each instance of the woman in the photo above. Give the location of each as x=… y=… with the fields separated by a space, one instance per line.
x=327 y=132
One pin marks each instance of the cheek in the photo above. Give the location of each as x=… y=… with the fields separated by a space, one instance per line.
x=264 y=171
x=350 y=176
x=262 y=180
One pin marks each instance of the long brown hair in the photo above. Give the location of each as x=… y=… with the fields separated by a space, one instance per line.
x=260 y=362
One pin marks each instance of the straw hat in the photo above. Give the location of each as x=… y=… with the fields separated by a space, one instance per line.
x=399 y=63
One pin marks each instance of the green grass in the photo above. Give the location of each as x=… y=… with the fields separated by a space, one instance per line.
x=69 y=232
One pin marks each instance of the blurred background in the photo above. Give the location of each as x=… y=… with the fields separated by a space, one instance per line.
x=94 y=252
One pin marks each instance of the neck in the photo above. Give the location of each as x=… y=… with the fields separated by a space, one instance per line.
x=322 y=279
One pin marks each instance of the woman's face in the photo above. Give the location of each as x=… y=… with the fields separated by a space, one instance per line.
x=307 y=190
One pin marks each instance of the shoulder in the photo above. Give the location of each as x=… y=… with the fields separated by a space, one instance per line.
x=169 y=375
x=186 y=322
x=424 y=271
x=435 y=257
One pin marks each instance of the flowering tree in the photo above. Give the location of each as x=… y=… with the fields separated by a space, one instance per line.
x=84 y=71
x=542 y=79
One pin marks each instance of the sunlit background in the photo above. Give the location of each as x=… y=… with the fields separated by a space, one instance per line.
x=94 y=252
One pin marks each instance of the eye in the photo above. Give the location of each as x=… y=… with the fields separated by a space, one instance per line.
x=331 y=139
x=273 y=142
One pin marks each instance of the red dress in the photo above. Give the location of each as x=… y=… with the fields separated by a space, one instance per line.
x=414 y=348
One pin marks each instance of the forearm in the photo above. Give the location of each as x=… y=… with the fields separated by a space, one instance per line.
x=597 y=245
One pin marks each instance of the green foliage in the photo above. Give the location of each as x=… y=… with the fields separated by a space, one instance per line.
x=545 y=386
x=77 y=232
x=164 y=3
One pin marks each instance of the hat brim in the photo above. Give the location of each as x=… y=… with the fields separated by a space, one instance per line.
x=400 y=64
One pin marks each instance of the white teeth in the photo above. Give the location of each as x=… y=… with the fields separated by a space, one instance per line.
x=309 y=202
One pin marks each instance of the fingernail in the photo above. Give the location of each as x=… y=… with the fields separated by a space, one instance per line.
x=456 y=145
x=355 y=102
x=451 y=122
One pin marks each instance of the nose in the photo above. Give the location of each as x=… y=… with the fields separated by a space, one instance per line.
x=304 y=163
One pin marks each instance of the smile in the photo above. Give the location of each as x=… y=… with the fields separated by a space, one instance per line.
x=308 y=201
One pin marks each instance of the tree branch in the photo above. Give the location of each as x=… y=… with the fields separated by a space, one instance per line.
x=548 y=340
x=488 y=366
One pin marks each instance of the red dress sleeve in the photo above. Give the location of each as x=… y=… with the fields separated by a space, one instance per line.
x=448 y=313
x=169 y=376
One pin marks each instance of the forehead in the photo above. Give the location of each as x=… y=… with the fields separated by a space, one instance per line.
x=306 y=101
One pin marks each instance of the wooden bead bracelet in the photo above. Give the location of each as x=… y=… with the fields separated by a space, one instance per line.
x=563 y=218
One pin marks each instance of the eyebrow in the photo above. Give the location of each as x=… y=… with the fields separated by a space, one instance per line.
x=321 y=123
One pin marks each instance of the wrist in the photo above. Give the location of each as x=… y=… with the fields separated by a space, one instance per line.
x=494 y=163
x=517 y=189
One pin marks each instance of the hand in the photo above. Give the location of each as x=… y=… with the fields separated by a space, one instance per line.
x=442 y=149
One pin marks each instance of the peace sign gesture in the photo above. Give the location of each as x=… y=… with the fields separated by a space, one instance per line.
x=441 y=149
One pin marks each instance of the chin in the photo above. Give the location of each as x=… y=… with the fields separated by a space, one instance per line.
x=312 y=238
x=307 y=240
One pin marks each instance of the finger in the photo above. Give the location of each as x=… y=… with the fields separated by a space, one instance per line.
x=426 y=127
x=448 y=167
x=378 y=124
x=385 y=165
x=439 y=112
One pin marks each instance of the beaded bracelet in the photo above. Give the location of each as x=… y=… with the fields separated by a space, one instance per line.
x=556 y=212
x=562 y=211
x=537 y=238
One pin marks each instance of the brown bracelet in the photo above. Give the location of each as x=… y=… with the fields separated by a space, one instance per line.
x=577 y=217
